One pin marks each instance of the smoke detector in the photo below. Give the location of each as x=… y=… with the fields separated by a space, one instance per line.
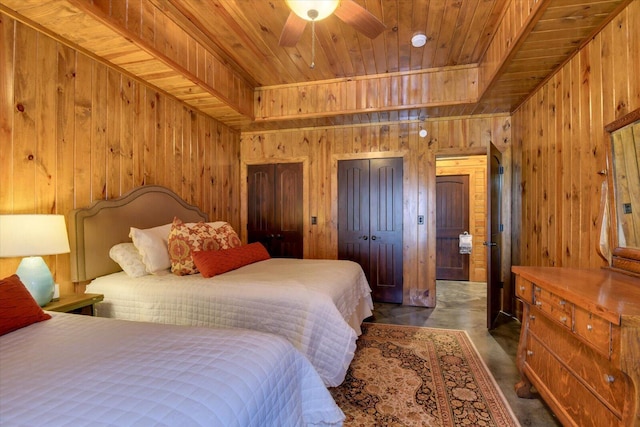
x=418 y=40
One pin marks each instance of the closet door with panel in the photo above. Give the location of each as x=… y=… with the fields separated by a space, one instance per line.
x=370 y=222
x=274 y=208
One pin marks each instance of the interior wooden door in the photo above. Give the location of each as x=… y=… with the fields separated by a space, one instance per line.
x=494 y=231
x=353 y=212
x=385 y=218
x=370 y=222
x=452 y=219
x=274 y=208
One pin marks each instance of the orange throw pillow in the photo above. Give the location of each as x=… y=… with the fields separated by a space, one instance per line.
x=17 y=307
x=211 y=263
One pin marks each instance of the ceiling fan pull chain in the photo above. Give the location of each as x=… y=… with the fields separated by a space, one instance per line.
x=313 y=45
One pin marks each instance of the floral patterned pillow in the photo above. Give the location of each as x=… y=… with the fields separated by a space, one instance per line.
x=226 y=237
x=184 y=239
x=187 y=238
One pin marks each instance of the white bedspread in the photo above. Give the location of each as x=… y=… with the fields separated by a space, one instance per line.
x=76 y=370
x=317 y=305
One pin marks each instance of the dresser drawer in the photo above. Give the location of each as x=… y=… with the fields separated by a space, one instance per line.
x=582 y=360
x=593 y=329
x=524 y=290
x=555 y=307
x=565 y=393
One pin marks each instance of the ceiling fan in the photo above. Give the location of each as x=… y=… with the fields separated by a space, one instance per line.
x=347 y=11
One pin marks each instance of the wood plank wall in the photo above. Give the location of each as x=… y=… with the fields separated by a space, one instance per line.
x=476 y=168
x=560 y=143
x=391 y=91
x=321 y=148
x=74 y=130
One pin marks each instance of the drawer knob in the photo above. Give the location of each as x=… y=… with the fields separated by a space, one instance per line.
x=521 y=288
x=562 y=302
x=532 y=317
x=529 y=353
x=609 y=378
x=589 y=328
x=539 y=303
x=563 y=319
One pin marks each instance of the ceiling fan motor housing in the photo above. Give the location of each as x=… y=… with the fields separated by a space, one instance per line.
x=313 y=10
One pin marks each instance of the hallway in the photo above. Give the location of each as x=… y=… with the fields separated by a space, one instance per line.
x=462 y=305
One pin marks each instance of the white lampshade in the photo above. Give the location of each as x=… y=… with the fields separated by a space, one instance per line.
x=313 y=10
x=32 y=236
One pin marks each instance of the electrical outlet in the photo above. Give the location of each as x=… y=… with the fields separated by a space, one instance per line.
x=314 y=220
x=420 y=219
x=626 y=207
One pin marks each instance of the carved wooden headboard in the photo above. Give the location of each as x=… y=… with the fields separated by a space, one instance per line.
x=95 y=229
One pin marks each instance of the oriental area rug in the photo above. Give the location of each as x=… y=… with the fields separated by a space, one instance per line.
x=417 y=376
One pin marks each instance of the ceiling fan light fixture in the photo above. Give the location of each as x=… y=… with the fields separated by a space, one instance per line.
x=313 y=10
x=418 y=40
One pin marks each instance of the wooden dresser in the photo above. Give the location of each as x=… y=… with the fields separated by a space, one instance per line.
x=580 y=343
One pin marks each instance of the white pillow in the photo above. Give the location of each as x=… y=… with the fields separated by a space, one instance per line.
x=129 y=259
x=152 y=243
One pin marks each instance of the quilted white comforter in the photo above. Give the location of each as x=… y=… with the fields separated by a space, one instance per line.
x=317 y=305
x=76 y=370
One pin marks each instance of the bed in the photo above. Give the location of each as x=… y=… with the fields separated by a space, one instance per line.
x=81 y=370
x=317 y=305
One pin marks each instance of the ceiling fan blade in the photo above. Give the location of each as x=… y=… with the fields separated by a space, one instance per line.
x=292 y=31
x=361 y=19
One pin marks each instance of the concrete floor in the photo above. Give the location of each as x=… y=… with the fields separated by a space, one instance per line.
x=463 y=305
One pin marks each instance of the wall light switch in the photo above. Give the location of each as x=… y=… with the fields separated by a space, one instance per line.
x=314 y=220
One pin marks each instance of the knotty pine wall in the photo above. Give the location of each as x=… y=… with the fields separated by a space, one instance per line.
x=560 y=143
x=476 y=168
x=74 y=130
x=320 y=149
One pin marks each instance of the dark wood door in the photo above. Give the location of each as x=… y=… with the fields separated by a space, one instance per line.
x=274 y=208
x=353 y=212
x=452 y=219
x=370 y=222
x=494 y=237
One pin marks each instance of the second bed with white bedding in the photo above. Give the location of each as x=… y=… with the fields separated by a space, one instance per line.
x=317 y=305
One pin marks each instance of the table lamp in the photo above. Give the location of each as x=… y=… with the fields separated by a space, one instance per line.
x=31 y=236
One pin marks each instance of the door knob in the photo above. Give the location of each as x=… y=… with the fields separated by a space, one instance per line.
x=364 y=237
x=490 y=243
x=373 y=237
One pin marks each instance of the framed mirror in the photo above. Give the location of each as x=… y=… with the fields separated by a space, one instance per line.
x=624 y=192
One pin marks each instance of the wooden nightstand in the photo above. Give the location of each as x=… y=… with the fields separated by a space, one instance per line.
x=75 y=303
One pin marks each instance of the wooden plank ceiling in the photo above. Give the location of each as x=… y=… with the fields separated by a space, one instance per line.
x=220 y=55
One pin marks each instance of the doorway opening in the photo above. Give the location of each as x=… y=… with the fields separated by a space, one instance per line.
x=451 y=172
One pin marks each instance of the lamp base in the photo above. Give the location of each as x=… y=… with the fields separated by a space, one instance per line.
x=37 y=278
